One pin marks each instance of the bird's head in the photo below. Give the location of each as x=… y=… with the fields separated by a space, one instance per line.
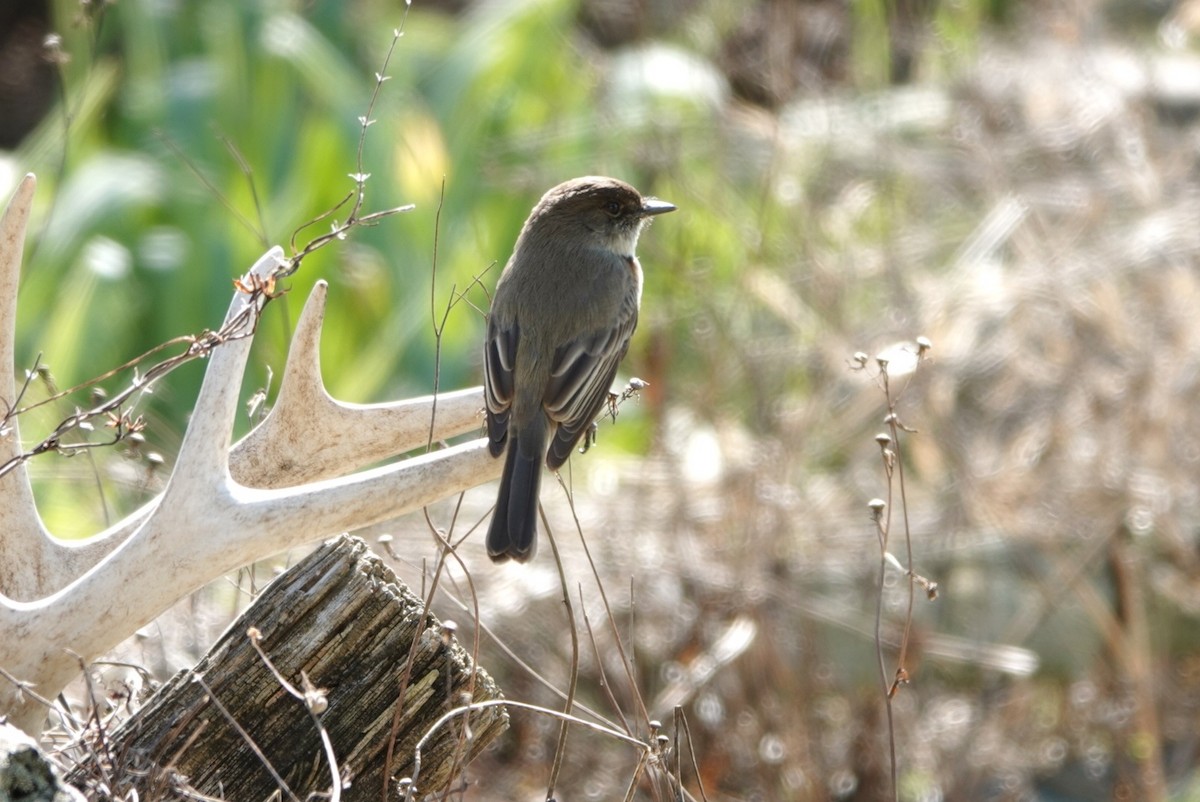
x=606 y=210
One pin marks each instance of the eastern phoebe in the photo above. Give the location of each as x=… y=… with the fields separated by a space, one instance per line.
x=564 y=310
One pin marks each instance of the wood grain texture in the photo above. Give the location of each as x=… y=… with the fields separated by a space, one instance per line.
x=343 y=618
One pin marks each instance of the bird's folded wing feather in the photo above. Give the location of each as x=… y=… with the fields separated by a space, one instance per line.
x=580 y=380
x=498 y=364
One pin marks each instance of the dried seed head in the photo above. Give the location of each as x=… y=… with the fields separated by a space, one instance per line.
x=53 y=45
x=385 y=541
x=317 y=701
x=884 y=439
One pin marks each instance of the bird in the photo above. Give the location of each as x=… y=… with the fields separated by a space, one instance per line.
x=560 y=320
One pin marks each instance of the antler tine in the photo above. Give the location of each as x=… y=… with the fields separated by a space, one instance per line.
x=309 y=435
x=25 y=548
x=32 y=562
x=204 y=451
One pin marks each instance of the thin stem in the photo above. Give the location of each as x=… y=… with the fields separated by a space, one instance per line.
x=573 y=683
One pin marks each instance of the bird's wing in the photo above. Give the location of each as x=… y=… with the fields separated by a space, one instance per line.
x=580 y=379
x=499 y=359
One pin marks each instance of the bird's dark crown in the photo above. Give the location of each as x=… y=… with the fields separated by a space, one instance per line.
x=605 y=206
x=614 y=198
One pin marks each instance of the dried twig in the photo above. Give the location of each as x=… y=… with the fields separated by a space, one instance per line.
x=881 y=515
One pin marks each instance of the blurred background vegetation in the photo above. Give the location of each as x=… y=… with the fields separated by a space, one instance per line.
x=1015 y=181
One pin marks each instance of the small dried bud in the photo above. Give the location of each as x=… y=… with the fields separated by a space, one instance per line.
x=255 y=402
x=923 y=346
x=884 y=439
x=385 y=540
x=877 y=506
x=449 y=628
x=655 y=726
x=317 y=701
x=254 y=634
x=55 y=53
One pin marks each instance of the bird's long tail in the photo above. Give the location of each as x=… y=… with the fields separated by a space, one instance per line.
x=513 y=531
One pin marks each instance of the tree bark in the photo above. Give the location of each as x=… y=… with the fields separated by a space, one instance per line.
x=343 y=618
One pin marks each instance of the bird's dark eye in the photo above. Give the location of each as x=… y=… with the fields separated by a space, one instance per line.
x=613 y=208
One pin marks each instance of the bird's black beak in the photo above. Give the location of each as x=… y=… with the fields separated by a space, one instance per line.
x=653 y=206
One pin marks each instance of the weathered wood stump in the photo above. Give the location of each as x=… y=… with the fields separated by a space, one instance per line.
x=343 y=618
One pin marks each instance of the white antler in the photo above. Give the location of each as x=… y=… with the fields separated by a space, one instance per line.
x=284 y=484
